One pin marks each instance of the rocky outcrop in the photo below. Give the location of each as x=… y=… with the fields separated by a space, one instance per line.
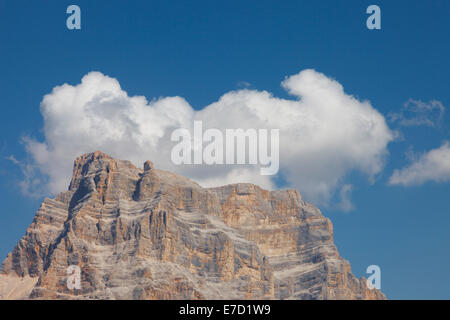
x=151 y=234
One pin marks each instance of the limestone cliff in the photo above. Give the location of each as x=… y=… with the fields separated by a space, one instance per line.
x=150 y=234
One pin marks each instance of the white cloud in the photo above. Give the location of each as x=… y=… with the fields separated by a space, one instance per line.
x=431 y=166
x=419 y=113
x=31 y=180
x=345 y=203
x=243 y=84
x=324 y=133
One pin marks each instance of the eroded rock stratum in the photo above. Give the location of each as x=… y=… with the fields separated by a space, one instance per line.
x=151 y=234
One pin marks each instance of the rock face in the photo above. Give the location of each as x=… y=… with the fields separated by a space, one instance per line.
x=151 y=234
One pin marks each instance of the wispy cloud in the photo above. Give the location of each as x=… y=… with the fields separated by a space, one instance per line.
x=13 y=159
x=31 y=184
x=243 y=84
x=419 y=113
x=345 y=203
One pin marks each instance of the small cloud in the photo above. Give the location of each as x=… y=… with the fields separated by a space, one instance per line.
x=434 y=165
x=30 y=185
x=419 y=113
x=13 y=159
x=345 y=203
x=243 y=84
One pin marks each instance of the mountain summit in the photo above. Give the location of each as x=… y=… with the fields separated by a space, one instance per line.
x=150 y=234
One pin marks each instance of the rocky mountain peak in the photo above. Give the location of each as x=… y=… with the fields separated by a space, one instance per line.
x=148 y=165
x=151 y=234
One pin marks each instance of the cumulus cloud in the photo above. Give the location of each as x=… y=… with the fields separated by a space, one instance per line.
x=324 y=132
x=434 y=165
x=419 y=113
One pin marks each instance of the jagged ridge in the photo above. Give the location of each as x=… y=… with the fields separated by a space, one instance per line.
x=152 y=234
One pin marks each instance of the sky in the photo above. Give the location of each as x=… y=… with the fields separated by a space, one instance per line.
x=364 y=125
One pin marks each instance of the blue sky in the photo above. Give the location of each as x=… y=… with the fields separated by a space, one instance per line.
x=202 y=50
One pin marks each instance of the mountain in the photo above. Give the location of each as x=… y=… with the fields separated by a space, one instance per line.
x=151 y=234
